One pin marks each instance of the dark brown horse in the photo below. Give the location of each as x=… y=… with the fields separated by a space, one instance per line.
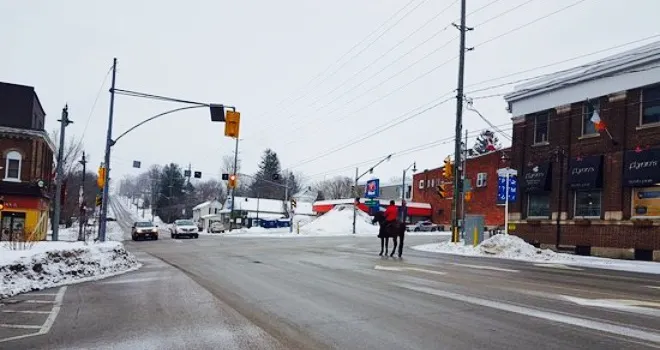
x=387 y=230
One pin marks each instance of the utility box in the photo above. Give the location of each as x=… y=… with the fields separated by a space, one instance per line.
x=472 y=223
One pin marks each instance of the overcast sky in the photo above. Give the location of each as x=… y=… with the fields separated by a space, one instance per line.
x=284 y=65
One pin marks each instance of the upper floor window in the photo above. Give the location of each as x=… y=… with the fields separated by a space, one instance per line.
x=541 y=127
x=588 y=126
x=421 y=184
x=650 y=111
x=481 y=179
x=13 y=164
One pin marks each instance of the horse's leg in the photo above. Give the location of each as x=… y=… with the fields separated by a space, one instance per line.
x=393 y=248
x=382 y=245
x=401 y=244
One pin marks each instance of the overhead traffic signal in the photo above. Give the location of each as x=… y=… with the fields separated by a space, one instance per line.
x=447 y=170
x=442 y=190
x=225 y=177
x=232 y=124
x=232 y=181
x=99 y=200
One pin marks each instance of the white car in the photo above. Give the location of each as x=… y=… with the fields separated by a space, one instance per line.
x=184 y=228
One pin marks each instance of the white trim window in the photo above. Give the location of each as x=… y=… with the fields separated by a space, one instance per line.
x=650 y=106
x=13 y=163
x=421 y=184
x=481 y=179
x=541 y=127
x=588 y=204
x=588 y=127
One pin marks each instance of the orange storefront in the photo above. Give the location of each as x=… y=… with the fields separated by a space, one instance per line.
x=24 y=215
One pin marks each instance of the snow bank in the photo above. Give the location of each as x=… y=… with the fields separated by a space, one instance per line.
x=339 y=220
x=514 y=248
x=52 y=264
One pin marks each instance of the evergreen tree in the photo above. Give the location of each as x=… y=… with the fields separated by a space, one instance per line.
x=170 y=201
x=486 y=142
x=266 y=178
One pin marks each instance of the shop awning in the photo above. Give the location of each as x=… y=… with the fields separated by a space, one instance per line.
x=641 y=168
x=585 y=172
x=538 y=178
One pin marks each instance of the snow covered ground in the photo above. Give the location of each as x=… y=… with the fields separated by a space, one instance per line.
x=51 y=264
x=336 y=222
x=514 y=248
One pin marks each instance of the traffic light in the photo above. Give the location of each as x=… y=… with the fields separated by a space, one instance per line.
x=447 y=170
x=100 y=180
x=198 y=174
x=293 y=204
x=442 y=190
x=468 y=196
x=232 y=124
x=99 y=200
x=232 y=181
x=2 y=204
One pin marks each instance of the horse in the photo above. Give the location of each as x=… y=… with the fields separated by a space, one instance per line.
x=394 y=231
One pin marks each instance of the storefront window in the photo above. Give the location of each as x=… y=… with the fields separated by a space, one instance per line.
x=646 y=202
x=588 y=203
x=539 y=205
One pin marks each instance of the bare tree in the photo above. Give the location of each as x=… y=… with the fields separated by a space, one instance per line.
x=337 y=187
x=71 y=154
x=209 y=190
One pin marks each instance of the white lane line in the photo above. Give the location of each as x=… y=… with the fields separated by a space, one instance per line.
x=19 y=326
x=486 y=267
x=654 y=287
x=29 y=301
x=545 y=315
x=634 y=306
x=394 y=268
x=558 y=266
x=54 y=312
x=25 y=312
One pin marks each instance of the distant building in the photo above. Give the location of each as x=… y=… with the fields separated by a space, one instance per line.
x=586 y=144
x=207 y=212
x=305 y=196
x=392 y=191
x=415 y=211
x=481 y=172
x=26 y=163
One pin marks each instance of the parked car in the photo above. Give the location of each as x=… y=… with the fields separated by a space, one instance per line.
x=185 y=228
x=144 y=229
x=216 y=227
x=424 y=226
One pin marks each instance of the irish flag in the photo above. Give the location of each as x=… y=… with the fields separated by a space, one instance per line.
x=595 y=118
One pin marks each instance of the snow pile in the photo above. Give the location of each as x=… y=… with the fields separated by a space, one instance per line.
x=113 y=232
x=514 y=248
x=339 y=220
x=52 y=264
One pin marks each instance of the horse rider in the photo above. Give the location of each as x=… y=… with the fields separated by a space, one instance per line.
x=391 y=214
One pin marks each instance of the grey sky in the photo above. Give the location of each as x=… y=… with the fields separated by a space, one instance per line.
x=254 y=54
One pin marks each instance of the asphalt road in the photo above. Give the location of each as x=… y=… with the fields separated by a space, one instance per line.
x=219 y=292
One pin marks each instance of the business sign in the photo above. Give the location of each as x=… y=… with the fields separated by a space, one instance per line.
x=501 y=189
x=646 y=202
x=372 y=188
x=585 y=172
x=641 y=168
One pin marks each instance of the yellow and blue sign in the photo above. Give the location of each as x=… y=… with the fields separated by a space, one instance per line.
x=372 y=189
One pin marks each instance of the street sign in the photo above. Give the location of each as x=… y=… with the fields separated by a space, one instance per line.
x=372 y=203
x=137 y=164
x=186 y=173
x=372 y=188
x=501 y=189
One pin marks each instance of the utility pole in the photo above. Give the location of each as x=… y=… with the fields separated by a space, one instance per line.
x=463 y=175
x=82 y=220
x=64 y=122
x=355 y=193
x=459 y=126
x=108 y=146
x=560 y=159
x=233 y=190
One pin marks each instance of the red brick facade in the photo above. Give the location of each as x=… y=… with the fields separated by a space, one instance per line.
x=615 y=227
x=484 y=198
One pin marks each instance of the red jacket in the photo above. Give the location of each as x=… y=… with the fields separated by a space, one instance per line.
x=391 y=213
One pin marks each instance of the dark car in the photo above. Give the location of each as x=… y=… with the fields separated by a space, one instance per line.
x=144 y=229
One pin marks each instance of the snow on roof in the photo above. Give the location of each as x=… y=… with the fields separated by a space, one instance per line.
x=264 y=205
x=206 y=204
x=611 y=67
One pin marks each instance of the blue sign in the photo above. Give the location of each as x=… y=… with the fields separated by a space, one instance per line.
x=372 y=189
x=501 y=189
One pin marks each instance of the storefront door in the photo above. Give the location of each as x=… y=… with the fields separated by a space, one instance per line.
x=13 y=225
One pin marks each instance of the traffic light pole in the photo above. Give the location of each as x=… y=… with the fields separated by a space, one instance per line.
x=459 y=126
x=82 y=220
x=233 y=190
x=106 y=161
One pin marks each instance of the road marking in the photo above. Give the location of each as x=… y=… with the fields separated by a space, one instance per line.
x=634 y=306
x=44 y=328
x=25 y=312
x=486 y=267
x=654 y=287
x=558 y=266
x=28 y=301
x=545 y=315
x=394 y=268
x=19 y=326
x=41 y=294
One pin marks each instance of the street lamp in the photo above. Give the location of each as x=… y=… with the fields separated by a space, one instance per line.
x=403 y=190
x=217 y=115
x=355 y=188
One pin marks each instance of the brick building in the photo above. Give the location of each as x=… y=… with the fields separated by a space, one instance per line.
x=26 y=163
x=482 y=172
x=586 y=144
